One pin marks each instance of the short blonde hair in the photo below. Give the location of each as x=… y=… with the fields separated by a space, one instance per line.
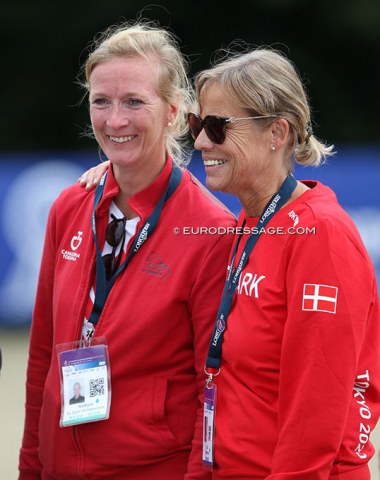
x=145 y=39
x=264 y=82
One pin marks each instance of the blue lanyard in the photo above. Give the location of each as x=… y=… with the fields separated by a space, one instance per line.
x=275 y=203
x=102 y=287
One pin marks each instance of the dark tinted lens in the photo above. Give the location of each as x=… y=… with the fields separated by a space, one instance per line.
x=215 y=128
x=108 y=261
x=115 y=232
x=195 y=125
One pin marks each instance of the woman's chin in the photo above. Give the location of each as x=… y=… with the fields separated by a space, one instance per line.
x=214 y=184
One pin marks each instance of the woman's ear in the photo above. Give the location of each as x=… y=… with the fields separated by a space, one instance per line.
x=173 y=112
x=279 y=132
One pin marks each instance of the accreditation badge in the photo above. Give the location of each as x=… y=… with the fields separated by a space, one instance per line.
x=208 y=424
x=85 y=382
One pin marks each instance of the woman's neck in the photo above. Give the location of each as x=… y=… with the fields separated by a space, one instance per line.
x=131 y=182
x=254 y=202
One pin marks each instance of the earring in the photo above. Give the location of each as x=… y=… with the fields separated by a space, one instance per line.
x=170 y=124
x=273 y=148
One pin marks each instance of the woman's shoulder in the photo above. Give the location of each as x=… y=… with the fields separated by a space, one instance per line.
x=71 y=198
x=319 y=215
x=319 y=203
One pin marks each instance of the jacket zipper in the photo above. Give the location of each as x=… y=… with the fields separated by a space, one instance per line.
x=77 y=336
x=80 y=454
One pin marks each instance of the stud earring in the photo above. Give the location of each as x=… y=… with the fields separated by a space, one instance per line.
x=273 y=148
x=170 y=124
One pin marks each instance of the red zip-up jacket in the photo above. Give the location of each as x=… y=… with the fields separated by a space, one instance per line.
x=299 y=387
x=157 y=322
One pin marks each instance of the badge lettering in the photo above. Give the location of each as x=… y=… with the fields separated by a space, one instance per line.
x=249 y=283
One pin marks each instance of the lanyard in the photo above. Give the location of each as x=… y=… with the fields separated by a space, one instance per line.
x=274 y=204
x=102 y=287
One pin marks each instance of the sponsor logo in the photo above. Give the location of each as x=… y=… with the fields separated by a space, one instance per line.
x=219 y=330
x=142 y=237
x=294 y=217
x=76 y=241
x=220 y=325
x=72 y=255
x=319 y=298
x=271 y=208
x=156 y=266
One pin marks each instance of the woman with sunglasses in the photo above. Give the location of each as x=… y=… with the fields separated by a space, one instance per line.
x=294 y=355
x=126 y=300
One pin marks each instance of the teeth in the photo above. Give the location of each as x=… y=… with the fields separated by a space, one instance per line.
x=211 y=163
x=122 y=139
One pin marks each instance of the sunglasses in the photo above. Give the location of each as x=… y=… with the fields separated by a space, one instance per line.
x=115 y=234
x=215 y=127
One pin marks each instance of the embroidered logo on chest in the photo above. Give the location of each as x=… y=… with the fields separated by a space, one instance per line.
x=155 y=266
x=75 y=243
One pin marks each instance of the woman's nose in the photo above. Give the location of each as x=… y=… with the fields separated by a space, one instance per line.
x=202 y=141
x=117 y=117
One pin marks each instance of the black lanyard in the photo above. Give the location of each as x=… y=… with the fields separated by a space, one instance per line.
x=275 y=203
x=102 y=287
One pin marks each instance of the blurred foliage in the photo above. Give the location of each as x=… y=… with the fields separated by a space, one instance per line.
x=334 y=44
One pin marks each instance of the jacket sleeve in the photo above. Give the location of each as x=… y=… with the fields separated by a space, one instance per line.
x=331 y=338
x=204 y=303
x=40 y=352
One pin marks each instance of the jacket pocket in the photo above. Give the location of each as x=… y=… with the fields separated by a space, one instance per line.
x=174 y=409
x=150 y=419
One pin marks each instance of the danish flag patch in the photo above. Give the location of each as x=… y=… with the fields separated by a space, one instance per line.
x=319 y=298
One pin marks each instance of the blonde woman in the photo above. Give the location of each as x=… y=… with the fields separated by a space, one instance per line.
x=296 y=338
x=122 y=289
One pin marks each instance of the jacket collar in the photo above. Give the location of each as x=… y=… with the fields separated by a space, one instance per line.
x=144 y=201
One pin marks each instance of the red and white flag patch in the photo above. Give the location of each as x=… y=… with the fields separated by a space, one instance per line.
x=319 y=298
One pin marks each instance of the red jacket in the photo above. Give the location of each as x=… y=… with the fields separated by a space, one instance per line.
x=157 y=321
x=299 y=387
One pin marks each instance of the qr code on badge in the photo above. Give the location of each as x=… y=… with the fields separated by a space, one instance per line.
x=96 y=387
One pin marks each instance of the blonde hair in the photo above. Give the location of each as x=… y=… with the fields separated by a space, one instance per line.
x=145 y=39
x=264 y=82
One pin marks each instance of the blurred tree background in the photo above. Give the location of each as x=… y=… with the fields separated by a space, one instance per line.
x=335 y=45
